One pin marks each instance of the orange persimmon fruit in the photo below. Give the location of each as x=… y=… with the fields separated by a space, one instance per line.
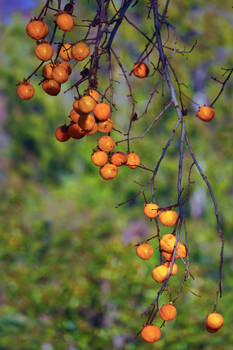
x=80 y=51
x=99 y=158
x=60 y=74
x=159 y=273
x=151 y=333
x=214 y=321
x=65 y=52
x=25 y=90
x=94 y=94
x=118 y=158
x=65 y=22
x=108 y=171
x=133 y=160
x=168 y=312
x=151 y=210
x=168 y=217
x=75 y=131
x=167 y=242
x=37 y=29
x=144 y=251
x=44 y=51
x=206 y=113
x=62 y=133
x=86 y=104
x=51 y=87
x=106 y=144
x=140 y=70
x=86 y=122
x=102 y=111
x=105 y=126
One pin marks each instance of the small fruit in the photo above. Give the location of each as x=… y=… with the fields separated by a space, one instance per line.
x=75 y=131
x=94 y=94
x=133 y=160
x=44 y=51
x=205 y=113
x=74 y=116
x=174 y=267
x=168 y=217
x=140 y=70
x=60 y=74
x=168 y=256
x=118 y=158
x=25 y=90
x=105 y=126
x=75 y=106
x=144 y=251
x=108 y=171
x=214 y=321
x=151 y=333
x=51 y=87
x=80 y=51
x=106 y=143
x=65 y=52
x=37 y=29
x=168 y=312
x=62 y=133
x=167 y=242
x=159 y=273
x=86 y=122
x=210 y=330
x=102 y=111
x=67 y=66
x=48 y=70
x=99 y=158
x=181 y=250
x=65 y=22
x=93 y=130
x=86 y=104
x=151 y=210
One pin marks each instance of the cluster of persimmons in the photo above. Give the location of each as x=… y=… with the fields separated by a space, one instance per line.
x=167 y=217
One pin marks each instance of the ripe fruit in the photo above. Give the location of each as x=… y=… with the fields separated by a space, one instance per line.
x=48 y=70
x=44 y=51
x=140 y=70
x=168 y=312
x=181 y=250
x=174 y=267
x=51 y=87
x=75 y=131
x=168 y=256
x=67 y=66
x=37 y=29
x=210 y=330
x=65 y=22
x=118 y=158
x=86 y=104
x=60 y=74
x=86 y=122
x=106 y=143
x=105 y=126
x=102 y=111
x=74 y=116
x=65 y=52
x=214 y=321
x=133 y=160
x=144 y=251
x=151 y=333
x=159 y=273
x=151 y=210
x=205 y=113
x=99 y=158
x=80 y=51
x=167 y=242
x=62 y=133
x=108 y=171
x=25 y=90
x=168 y=217
x=92 y=131
x=75 y=106
x=94 y=94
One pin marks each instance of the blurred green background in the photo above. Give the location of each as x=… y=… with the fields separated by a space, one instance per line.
x=69 y=275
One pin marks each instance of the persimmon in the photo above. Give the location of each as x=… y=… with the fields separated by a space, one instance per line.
x=93 y=130
x=99 y=158
x=118 y=158
x=67 y=66
x=168 y=312
x=86 y=104
x=48 y=70
x=210 y=330
x=25 y=90
x=75 y=131
x=80 y=51
x=60 y=74
x=62 y=133
x=133 y=160
x=140 y=70
x=65 y=52
x=181 y=250
x=75 y=106
x=105 y=126
x=151 y=210
x=168 y=256
x=167 y=242
x=168 y=217
x=102 y=111
x=206 y=113
x=94 y=94
x=151 y=333
x=145 y=251
x=37 y=29
x=51 y=87
x=174 y=267
x=159 y=273
x=108 y=171
x=65 y=22
x=86 y=122
x=74 y=116
x=106 y=143
x=214 y=321
x=44 y=51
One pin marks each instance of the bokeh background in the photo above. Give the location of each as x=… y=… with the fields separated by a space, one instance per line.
x=69 y=275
